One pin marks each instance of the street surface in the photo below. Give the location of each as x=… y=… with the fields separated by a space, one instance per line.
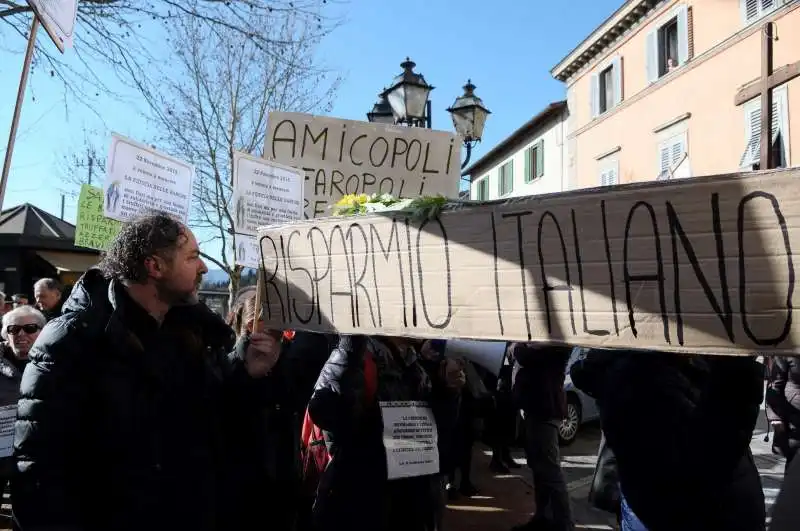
x=507 y=500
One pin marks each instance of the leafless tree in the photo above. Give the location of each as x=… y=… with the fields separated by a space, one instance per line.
x=216 y=98
x=130 y=37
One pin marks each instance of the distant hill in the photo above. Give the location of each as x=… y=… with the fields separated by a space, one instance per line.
x=218 y=279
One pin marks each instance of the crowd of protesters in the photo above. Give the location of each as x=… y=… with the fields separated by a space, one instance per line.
x=140 y=408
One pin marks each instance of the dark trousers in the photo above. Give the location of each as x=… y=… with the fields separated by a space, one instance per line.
x=550 y=488
x=501 y=426
x=463 y=442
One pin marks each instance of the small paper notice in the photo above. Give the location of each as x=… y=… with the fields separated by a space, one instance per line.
x=410 y=438
x=8 y=415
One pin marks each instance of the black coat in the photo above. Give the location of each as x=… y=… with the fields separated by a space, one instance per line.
x=538 y=387
x=681 y=433
x=127 y=425
x=783 y=395
x=354 y=493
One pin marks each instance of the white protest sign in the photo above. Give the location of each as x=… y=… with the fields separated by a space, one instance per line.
x=340 y=157
x=140 y=179
x=700 y=265
x=264 y=193
x=8 y=415
x=410 y=438
x=58 y=18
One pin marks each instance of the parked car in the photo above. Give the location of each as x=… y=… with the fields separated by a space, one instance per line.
x=581 y=408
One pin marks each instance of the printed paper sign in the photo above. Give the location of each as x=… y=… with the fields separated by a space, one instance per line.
x=58 y=18
x=140 y=179
x=92 y=229
x=410 y=438
x=340 y=157
x=701 y=265
x=264 y=193
x=8 y=415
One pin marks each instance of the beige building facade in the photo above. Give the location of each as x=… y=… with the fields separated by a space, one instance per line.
x=651 y=91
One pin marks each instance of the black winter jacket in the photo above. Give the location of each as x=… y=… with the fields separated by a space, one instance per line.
x=680 y=429
x=126 y=425
x=538 y=387
x=354 y=493
x=783 y=395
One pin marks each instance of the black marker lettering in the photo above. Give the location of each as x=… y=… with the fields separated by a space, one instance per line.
x=338 y=228
x=546 y=286
x=723 y=311
x=290 y=139
x=323 y=135
x=269 y=279
x=611 y=285
x=368 y=180
x=336 y=179
x=658 y=277
x=446 y=321
x=358 y=282
x=317 y=277
x=425 y=168
x=304 y=320
x=356 y=140
x=787 y=326
x=286 y=281
x=497 y=276
x=520 y=249
x=586 y=328
x=386 y=251
x=411 y=276
x=385 y=152
x=409 y=156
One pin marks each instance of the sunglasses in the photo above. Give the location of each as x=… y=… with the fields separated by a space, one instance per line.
x=13 y=330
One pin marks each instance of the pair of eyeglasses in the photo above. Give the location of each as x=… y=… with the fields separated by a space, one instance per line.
x=13 y=330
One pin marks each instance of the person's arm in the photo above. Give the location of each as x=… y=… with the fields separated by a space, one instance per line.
x=778 y=408
x=336 y=404
x=51 y=434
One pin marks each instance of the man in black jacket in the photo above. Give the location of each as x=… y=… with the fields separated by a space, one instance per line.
x=538 y=390
x=123 y=420
x=680 y=428
x=49 y=296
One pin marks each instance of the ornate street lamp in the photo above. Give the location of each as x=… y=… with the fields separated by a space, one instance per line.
x=469 y=116
x=381 y=112
x=408 y=96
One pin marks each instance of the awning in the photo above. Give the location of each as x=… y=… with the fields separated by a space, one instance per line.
x=64 y=261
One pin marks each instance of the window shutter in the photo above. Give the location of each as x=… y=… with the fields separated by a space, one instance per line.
x=500 y=179
x=664 y=161
x=749 y=10
x=766 y=5
x=604 y=178
x=651 y=56
x=540 y=158
x=616 y=73
x=677 y=152
x=683 y=34
x=528 y=165
x=595 y=95
x=510 y=176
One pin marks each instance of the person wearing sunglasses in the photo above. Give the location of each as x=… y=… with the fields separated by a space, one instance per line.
x=20 y=328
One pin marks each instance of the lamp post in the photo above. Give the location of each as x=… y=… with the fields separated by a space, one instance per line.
x=407 y=102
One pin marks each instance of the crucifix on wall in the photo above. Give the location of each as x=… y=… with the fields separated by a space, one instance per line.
x=763 y=87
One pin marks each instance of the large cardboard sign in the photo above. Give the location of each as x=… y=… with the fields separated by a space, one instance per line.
x=264 y=193
x=140 y=179
x=340 y=157
x=696 y=265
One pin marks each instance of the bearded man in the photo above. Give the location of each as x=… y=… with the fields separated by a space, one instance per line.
x=126 y=400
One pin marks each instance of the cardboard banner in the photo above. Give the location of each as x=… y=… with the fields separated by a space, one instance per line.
x=92 y=229
x=140 y=179
x=340 y=157
x=264 y=193
x=695 y=265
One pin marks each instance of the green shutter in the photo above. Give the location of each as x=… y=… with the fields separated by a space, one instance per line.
x=510 y=177
x=540 y=158
x=528 y=167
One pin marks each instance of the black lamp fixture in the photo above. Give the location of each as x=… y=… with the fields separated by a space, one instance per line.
x=469 y=116
x=407 y=102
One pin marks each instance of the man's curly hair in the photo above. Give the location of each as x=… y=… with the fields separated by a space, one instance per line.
x=153 y=234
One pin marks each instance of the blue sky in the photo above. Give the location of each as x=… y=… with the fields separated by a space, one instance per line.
x=507 y=48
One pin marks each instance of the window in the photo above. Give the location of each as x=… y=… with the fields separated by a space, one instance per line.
x=534 y=161
x=609 y=172
x=506 y=180
x=671 y=154
x=482 y=189
x=753 y=10
x=607 y=87
x=780 y=131
x=668 y=44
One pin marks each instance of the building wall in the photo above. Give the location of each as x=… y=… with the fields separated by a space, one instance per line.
x=727 y=55
x=555 y=162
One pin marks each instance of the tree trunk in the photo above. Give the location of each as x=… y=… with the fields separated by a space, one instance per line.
x=235 y=275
